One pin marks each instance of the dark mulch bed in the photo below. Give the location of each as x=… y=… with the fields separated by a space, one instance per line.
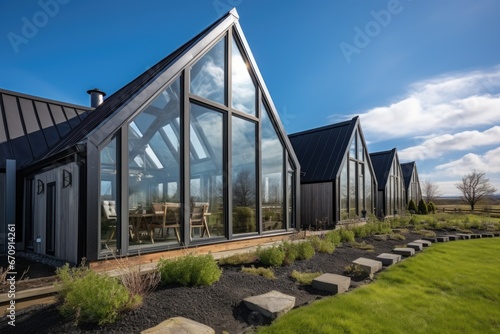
x=219 y=306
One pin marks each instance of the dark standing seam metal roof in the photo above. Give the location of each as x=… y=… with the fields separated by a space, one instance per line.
x=382 y=162
x=320 y=151
x=120 y=97
x=31 y=126
x=407 y=169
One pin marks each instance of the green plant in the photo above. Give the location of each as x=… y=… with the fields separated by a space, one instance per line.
x=346 y=235
x=304 y=278
x=355 y=271
x=412 y=207
x=272 y=256
x=426 y=233
x=190 y=270
x=362 y=245
x=397 y=236
x=431 y=207
x=260 y=271
x=333 y=237
x=291 y=251
x=322 y=245
x=422 y=207
x=306 y=251
x=92 y=298
x=239 y=259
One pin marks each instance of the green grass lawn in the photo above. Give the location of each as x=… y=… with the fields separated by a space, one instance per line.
x=450 y=287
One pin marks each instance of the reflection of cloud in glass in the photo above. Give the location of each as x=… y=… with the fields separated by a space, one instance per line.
x=243 y=139
x=243 y=88
x=207 y=75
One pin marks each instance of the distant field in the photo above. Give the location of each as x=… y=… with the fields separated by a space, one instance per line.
x=457 y=203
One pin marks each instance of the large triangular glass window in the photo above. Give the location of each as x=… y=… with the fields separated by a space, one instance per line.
x=243 y=88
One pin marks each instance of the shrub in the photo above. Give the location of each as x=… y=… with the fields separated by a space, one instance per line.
x=431 y=207
x=190 y=270
x=261 y=271
x=362 y=245
x=306 y=251
x=272 y=256
x=422 y=207
x=322 y=245
x=304 y=278
x=333 y=237
x=291 y=251
x=239 y=259
x=92 y=298
x=426 y=233
x=412 y=207
x=396 y=236
x=346 y=235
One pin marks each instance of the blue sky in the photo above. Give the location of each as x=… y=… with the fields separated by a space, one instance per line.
x=423 y=76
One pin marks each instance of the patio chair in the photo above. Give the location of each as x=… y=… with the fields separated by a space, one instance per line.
x=197 y=218
x=108 y=217
x=166 y=215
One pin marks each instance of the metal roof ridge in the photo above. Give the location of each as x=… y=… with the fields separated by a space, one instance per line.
x=325 y=127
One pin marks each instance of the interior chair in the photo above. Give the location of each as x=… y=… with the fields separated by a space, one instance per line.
x=108 y=217
x=197 y=219
x=166 y=216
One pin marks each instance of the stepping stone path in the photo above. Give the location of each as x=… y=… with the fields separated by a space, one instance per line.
x=389 y=259
x=179 y=325
x=271 y=304
x=442 y=239
x=404 y=251
x=475 y=236
x=368 y=266
x=415 y=245
x=425 y=243
x=463 y=236
x=332 y=283
x=453 y=237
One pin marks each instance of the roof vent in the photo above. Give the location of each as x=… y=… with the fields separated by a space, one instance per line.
x=96 y=97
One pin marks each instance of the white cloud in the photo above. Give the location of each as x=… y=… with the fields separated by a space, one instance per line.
x=457 y=101
x=488 y=163
x=438 y=146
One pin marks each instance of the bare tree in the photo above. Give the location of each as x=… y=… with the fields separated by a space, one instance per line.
x=474 y=187
x=430 y=191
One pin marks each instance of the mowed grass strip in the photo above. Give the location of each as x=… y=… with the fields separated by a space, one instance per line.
x=451 y=287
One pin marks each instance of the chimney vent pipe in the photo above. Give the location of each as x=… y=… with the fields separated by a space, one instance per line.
x=96 y=97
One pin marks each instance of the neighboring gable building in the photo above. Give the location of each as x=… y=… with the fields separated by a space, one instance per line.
x=391 y=191
x=337 y=181
x=191 y=152
x=412 y=182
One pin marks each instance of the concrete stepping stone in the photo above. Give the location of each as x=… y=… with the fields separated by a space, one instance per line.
x=453 y=237
x=442 y=239
x=332 y=283
x=429 y=239
x=368 y=265
x=417 y=246
x=425 y=243
x=389 y=259
x=475 y=236
x=487 y=235
x=179 y=325
x=463 y=236
x=404 y=251
x=271 y=305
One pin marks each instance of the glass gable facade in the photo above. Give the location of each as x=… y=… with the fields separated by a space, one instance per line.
x=356 y=183
x=189 y=167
